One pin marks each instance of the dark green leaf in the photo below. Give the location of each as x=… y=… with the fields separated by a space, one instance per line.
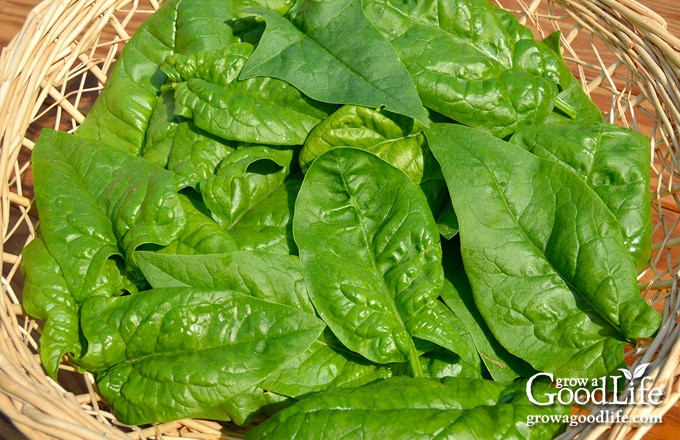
x=416 y=408
x=457 y=294
x=542 y=251
x=330 y=52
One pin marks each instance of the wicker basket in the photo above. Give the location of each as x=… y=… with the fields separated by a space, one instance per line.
x=54 y=67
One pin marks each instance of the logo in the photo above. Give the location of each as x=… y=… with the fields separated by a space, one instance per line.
x=630 y=389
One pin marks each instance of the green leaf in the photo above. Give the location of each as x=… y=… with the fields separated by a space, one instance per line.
x=161 y=131
x=243 y=180
x=201 y=233
x=356 y=214
x=195 y=155
x=416 y=408
x=457 y=294
x=122 y=113
x=614 y=161
x=332 y=53
x=272 y=277
x=571 y=90
x=275 y=278
x=397 y=140
x=202 y=347
x=436 y=323
x=542 y=251
x=90 y=214
x=481 y=86
x=325 y=365
x=261 y=110
x=252 y=197
x=46 y=296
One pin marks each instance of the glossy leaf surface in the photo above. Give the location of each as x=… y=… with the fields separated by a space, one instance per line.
x=357 y=214
x=615 y=162
x=178 y=341
x=542 y=252
x=90 y=214
x=415 y=408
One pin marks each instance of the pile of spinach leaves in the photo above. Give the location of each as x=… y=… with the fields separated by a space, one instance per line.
x=351 y=216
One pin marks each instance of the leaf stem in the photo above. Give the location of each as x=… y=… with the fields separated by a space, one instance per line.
x=168 y=87
x=414 y=361
x=565 y=107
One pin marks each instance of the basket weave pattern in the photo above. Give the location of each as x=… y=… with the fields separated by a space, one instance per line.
x=55 y=66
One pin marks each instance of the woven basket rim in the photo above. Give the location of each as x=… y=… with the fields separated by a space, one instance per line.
x=58 y=35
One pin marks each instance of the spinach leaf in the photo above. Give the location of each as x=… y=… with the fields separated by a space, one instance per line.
x=47 y=297
x=275 y=278
x=272 y=277
x=201 y=233
x=332 y=53
x=195 y=155
x=260 y=110
x=356 y=214
x=583 y=109
x=615 y=162
x=501 y=77
x=120 y=116
x=457 y=294
x=243 y=179
x=480 y=86
x=542 y=251
x=251 y=195
x=396 y=139
x=268 y=224
x=92 y=219
x=161 y=131
x=326 y=364
x=202 y=347
x=397 y=408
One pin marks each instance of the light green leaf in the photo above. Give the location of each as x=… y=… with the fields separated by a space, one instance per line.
x=370 y=252
x=325 y=365
x=252 y=197
x=46 y=296
x=243 y=180
x=202 y=347
x=614 y=161
x=272 y=277
x=121 y=114
x=195 y=155
x=97 y=203
x=275 y=278
x=262 y=110
x=201 y=233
